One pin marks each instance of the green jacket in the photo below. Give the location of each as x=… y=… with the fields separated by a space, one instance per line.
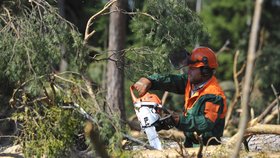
x=204 y=112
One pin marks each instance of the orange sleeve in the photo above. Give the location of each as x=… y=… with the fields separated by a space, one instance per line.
x=211 y=111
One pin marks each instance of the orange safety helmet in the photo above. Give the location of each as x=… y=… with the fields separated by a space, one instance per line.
x=203 y=56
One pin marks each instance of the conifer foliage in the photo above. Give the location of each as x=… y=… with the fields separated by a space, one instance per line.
x=32 y=40
x=50 y=106
x=160 y=28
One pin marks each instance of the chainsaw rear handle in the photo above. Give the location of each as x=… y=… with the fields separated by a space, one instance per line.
x=148 y=97
x=153 y=98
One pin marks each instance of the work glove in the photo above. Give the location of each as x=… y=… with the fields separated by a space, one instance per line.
x=167 y=122
x=142 y=86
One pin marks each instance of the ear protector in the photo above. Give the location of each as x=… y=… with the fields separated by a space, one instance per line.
x=205 y=70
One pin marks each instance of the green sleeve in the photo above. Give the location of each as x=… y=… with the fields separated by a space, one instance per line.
x=192 y=123
x=171 y=83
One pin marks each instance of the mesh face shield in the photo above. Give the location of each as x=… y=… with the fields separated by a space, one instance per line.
x=179 y=59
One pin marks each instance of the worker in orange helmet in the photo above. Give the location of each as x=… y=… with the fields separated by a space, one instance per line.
x=205 y=103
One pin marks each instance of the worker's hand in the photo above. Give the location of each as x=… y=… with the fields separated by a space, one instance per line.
x=176 y=118
x=167 y=122
x=142 y=86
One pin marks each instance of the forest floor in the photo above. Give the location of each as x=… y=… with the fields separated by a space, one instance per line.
x=210 y=151
x=260 y=146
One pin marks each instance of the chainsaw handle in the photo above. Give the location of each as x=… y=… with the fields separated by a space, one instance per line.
x=134 y=98
x=165 y=110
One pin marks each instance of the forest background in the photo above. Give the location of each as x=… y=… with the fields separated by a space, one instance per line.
x=58 y=57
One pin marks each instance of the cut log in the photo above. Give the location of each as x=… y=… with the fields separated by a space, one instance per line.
x=264 y=129
x=264 y=142
x=269 y=130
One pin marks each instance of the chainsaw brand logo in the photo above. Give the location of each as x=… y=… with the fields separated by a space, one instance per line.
x=146 y=120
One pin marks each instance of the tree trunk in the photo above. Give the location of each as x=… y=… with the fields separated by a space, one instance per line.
x=63 y=63
x=198 y=6
x=70 y=11
x=115 y=66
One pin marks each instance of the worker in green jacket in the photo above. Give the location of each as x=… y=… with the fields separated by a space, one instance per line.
x=205 y=103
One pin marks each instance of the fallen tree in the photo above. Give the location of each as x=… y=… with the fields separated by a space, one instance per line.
x=223 y=150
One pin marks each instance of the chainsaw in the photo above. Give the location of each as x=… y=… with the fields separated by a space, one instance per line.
x=147 y=110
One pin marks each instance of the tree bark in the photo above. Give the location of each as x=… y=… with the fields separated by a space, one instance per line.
x=198 y=6
x=248 y=76
x=115 y=66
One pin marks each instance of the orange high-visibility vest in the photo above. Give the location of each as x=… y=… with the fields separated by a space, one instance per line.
x=211 y=87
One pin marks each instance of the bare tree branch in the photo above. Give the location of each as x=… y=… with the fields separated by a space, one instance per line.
x=278 y=102
x=88 y=34
x=263 y=115
x=247 y=83
x=270 y=117
x=224 y=47
x=67 y=80
x=164 y=97
x=237 y=91
x=92 y=95
x=133 y=13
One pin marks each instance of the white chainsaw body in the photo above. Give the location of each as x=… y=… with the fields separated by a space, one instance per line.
x=147 y=116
